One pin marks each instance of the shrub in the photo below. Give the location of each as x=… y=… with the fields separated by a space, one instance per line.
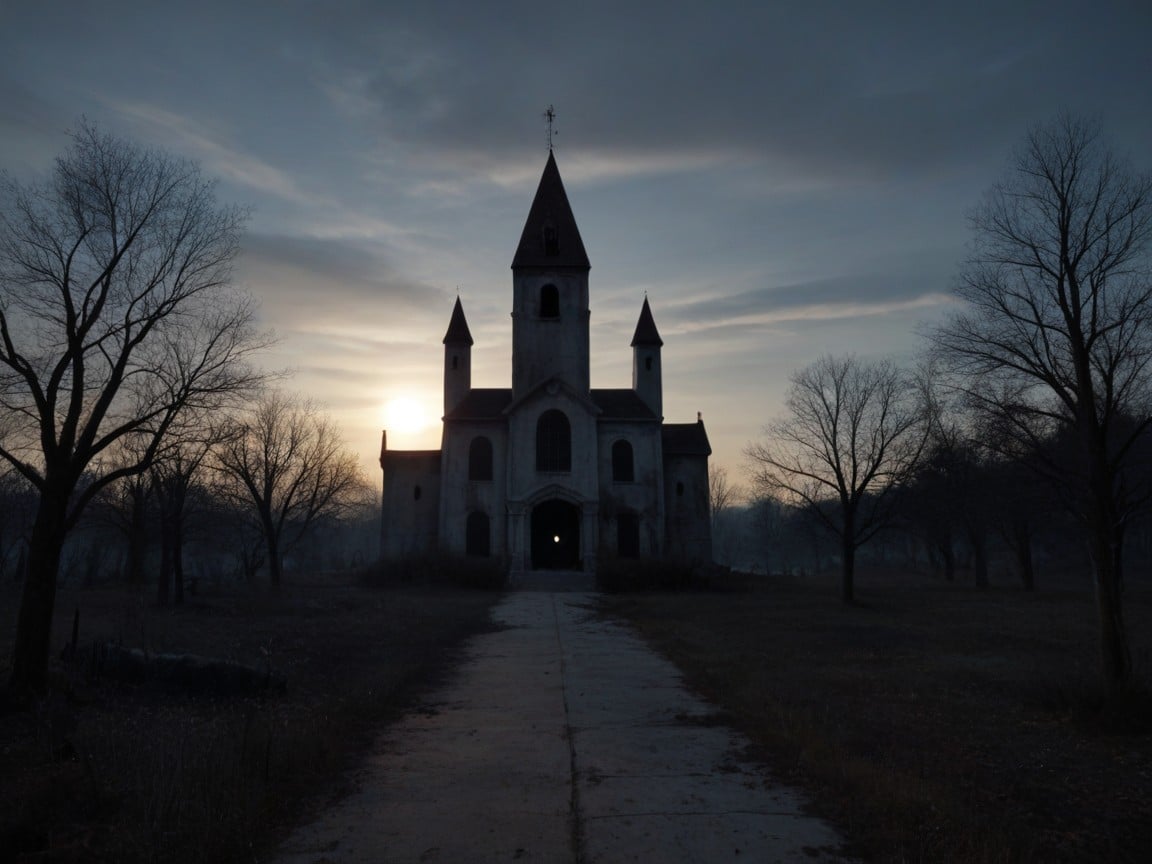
x=620 y=575
x=485 y=574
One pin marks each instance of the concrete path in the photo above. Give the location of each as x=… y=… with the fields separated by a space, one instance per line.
x=562 y=738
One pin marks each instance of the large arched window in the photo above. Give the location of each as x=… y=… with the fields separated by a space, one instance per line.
x=480 y=459
x=477 y=542
x=553 y=442
x=622 y=468
x=549 y=301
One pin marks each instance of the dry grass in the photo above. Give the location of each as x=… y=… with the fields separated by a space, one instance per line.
x=933 y=723
x=104 y=771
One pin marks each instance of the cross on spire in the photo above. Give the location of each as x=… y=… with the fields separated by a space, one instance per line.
x=550 y=116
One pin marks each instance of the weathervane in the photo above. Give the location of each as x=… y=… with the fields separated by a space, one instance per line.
x=550 y=116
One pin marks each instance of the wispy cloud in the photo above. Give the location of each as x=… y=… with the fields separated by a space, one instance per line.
x=200 y=140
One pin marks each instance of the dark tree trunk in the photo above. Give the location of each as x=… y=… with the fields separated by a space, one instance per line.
x=1022 y=547
x=137 y=535
x=848 y=556
x=947 y=557
x=164 y=578
x=848 y=571
x=34 y=625
x=979 y=545
x=178 y=562
x=1107 y=555
x=272 y=540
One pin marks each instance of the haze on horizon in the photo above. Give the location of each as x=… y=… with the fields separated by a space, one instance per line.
x=781 y=181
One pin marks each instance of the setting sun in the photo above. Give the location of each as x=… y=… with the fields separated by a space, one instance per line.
x=405 y=415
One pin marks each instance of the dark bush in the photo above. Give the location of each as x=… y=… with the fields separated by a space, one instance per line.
x=485 y=574
x=619 y=575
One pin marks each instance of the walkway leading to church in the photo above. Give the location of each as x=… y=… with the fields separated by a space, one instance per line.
x=562 y=738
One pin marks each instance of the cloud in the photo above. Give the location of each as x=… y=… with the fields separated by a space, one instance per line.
x=821 y=88
x=184 y=134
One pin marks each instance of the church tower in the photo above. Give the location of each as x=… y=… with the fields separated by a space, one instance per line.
x=550 y=315
x=457 y=359
x=646 y=374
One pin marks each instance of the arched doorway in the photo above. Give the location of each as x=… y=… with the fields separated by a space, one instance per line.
x=555 y=536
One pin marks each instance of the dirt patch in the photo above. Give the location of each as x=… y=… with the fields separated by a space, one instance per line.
x=935 y=723
x=105 y=770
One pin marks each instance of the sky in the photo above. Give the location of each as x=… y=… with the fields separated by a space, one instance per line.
x=782 y=179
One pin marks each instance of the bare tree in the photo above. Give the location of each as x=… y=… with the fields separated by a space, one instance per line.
x=721 y=493
x=174 y=480
x=117 y=317
x=853 y=434
x=290 y=467
x=1056 y=335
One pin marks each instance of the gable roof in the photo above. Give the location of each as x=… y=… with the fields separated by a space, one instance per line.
x=550 y=237
x=553 y=387
x=621 y=404
x=685 y=439
x=458 y=332
x=646 y=332
x=482 y=403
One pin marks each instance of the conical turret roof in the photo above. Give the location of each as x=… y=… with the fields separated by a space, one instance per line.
x=646 y=332
x=458 y=333
x=550 y=237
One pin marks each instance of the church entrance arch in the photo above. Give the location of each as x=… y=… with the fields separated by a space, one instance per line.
x=555 y=535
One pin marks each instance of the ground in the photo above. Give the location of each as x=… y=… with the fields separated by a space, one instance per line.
x=106 y=771
x=931 y=722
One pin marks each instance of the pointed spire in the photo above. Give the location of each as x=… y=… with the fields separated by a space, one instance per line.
x=646 y=332
x=458 y=333
x=550 y=237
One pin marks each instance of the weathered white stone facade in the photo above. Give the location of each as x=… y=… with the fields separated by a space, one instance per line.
x=550 y=473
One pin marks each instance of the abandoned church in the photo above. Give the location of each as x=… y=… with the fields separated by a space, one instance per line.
x=551 y=473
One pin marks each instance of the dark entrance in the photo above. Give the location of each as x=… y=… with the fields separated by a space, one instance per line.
x=555 y=536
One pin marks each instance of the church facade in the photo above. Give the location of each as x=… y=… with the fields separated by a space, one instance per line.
x=551 y=473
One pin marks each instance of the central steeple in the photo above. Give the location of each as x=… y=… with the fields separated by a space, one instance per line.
x=550 y=293
x=550 y=237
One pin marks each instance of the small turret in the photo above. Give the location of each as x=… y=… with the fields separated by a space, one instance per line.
x=457 y=359
x=646 y=375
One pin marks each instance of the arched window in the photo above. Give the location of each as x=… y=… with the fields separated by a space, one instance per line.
x=549 y=301
x=679 y=490
x=480 y=459
x=647 y=364
x=628 y=535
x=416 y=493
x=476 y=540
x=553 y=442
x=455 y=361
x=622 y=468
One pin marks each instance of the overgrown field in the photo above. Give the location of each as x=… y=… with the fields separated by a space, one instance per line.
x=112 y=771
x=933 y=723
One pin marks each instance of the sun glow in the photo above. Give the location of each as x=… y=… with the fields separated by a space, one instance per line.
x=405 y=415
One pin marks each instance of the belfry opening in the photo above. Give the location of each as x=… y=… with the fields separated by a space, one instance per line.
x=555 y=536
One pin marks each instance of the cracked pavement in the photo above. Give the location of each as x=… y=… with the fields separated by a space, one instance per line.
x=562 y=738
